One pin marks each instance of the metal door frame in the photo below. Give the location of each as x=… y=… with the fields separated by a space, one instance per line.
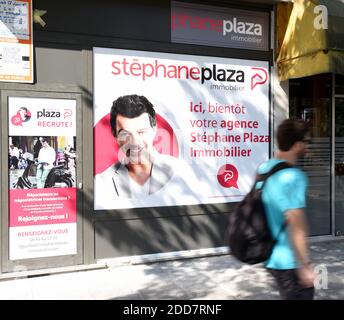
x=333 y=150
x=46 y=262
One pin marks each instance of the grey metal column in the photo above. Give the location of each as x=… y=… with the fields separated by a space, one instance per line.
x=87 y=124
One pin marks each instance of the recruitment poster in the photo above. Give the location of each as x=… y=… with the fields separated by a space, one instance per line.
x=16 y=44
x=42 y=175
x=210 y=132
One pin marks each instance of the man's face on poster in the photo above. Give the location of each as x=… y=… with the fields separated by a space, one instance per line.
x=45 y=144
x=135 y=137
x=22 y=113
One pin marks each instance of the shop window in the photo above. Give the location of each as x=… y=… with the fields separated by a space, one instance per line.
x=339 y=166
x=310 y=98
x=339 y=88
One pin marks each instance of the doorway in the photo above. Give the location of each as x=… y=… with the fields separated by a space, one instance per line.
x=42 y=159
x=311 y=99
x=339 y=165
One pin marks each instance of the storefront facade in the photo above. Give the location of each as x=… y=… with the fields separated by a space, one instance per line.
x=211 y=72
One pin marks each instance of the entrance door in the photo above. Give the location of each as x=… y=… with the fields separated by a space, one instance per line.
x=311 y=100
x=339 y=166
x=41 y=207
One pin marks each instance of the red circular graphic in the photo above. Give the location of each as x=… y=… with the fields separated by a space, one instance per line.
x=106 y=150
x=228 y=176
x=16 y=120
x=23 y=115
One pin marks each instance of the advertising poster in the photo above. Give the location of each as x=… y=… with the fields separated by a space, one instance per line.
x=42 y=177
x=16 y=45
x=175 y=129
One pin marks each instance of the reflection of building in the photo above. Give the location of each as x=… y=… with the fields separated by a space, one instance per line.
x=307 y=81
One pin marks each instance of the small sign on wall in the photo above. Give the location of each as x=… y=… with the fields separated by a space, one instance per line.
x=220 y=27
x=16 y=47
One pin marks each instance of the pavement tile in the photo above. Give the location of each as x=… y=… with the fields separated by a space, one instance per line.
x=207 y=278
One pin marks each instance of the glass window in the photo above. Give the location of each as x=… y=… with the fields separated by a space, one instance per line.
x=339 y=88
x=339 y=166
x=310 y=99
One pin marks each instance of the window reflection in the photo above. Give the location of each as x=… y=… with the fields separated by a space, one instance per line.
x=310 y=99
x=339 y=166
x=339 y=87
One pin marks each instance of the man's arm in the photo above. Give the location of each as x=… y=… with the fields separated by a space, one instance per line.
x=298 y=233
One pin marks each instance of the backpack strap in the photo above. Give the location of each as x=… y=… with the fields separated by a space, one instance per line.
x=284 y=225
x=263 y=177
x=279 y=166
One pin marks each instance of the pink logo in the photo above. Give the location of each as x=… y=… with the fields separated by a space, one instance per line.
x=228 y=176
x=67 y=113
x=260 y=77
x=23 y=115
x=16 y=120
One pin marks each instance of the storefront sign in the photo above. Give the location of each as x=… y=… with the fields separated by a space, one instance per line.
x=220 y=27
x=211 y=128
x=16 y=48
x=42 y=167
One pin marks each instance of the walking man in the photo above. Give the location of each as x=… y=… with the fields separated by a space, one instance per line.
x=284 y=197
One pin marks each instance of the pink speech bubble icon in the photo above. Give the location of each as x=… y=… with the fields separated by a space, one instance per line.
x=228 y=176
x=17 y=120
x=260 y=77
x=67 y=113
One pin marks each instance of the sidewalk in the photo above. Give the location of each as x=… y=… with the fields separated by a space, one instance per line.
x=209 y=278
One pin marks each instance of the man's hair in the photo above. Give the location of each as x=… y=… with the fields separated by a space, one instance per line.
x=46 y=139
x=289 y=132
x=131 y=106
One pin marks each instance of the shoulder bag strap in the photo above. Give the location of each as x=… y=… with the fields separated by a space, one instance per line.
x=279 y=166
x=263 y=177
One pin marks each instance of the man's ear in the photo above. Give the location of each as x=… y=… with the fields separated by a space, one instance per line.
x=297 y=146
x=294 y=147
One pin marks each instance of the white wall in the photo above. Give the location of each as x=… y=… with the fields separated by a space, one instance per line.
x=280 y=103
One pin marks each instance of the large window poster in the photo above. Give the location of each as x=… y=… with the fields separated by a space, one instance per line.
x=42 y=175
x=175 y=129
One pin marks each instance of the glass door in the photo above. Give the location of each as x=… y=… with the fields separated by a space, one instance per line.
x=339 y=166
x=311 y=100
x=42 y=227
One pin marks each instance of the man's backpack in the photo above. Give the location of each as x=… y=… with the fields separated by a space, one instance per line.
x=248 y=233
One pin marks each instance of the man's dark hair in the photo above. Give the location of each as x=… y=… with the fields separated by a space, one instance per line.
x=289 y=132
x=131 y=106
x=46 y=139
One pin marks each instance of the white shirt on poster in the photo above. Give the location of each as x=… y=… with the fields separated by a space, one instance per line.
x=47 y=155
x=14 y=152
x=138 y=191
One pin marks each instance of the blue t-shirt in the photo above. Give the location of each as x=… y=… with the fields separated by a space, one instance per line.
x=283 y=191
